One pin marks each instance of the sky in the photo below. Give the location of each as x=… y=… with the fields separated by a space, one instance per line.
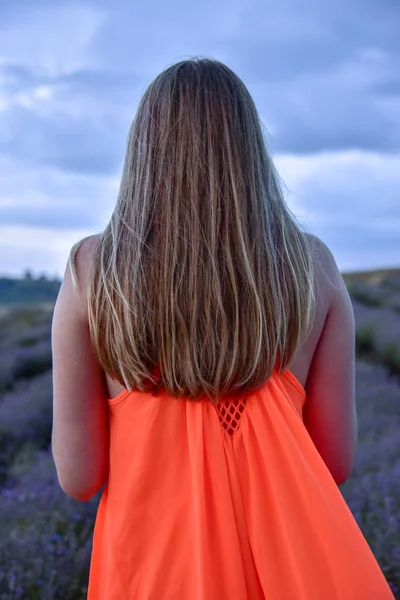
x=324 y=77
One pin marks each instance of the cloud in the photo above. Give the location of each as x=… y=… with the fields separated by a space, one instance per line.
x=332 y=113
x=50 y=36
x=55 y=199
x=76 y=121
x=42 y=250
x=351 y=201
x=324 y=77
x=74 y=145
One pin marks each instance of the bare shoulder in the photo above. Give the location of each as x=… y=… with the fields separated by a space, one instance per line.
x=80 y=259
x=77 y=272
x=328 y=277
x=82 y=253
x=322 y=254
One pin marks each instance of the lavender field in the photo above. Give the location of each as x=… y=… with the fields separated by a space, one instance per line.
x=45 y=537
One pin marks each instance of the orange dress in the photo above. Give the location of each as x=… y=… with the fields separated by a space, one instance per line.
x=228 y=503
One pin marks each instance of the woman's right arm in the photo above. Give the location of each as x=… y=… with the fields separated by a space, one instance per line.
x=330 y=411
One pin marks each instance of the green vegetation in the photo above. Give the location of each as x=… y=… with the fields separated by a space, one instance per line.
x=28 y=290
x=379 y=288
x=25 y=347
x=368 y=295
x=386 y=277
x=365 y=342
x=390 y=358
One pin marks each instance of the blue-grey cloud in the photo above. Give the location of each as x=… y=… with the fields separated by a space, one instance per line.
x=62 y=218
x=54 y=199
x=82 y=129
x=320 y=76
x=75 y=144
x=325 y=79
x=351 y=200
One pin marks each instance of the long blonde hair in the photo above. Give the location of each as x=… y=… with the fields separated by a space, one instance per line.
x=202 y=270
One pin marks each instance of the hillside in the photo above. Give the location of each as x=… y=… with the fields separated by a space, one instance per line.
x=28 y=290
x=375 y=286
x=374 y=277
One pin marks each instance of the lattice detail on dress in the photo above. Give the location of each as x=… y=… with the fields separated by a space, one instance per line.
x=230 y=412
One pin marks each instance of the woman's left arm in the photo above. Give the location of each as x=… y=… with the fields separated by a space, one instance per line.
x=80 y=436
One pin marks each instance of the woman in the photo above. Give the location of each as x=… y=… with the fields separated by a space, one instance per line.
x=203 y=351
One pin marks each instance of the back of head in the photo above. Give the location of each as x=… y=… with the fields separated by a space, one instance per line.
x=202 y=268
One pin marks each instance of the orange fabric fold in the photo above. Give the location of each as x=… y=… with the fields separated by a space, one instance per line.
x=192 y=512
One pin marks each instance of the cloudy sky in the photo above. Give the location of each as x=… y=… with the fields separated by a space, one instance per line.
x=325 y=79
